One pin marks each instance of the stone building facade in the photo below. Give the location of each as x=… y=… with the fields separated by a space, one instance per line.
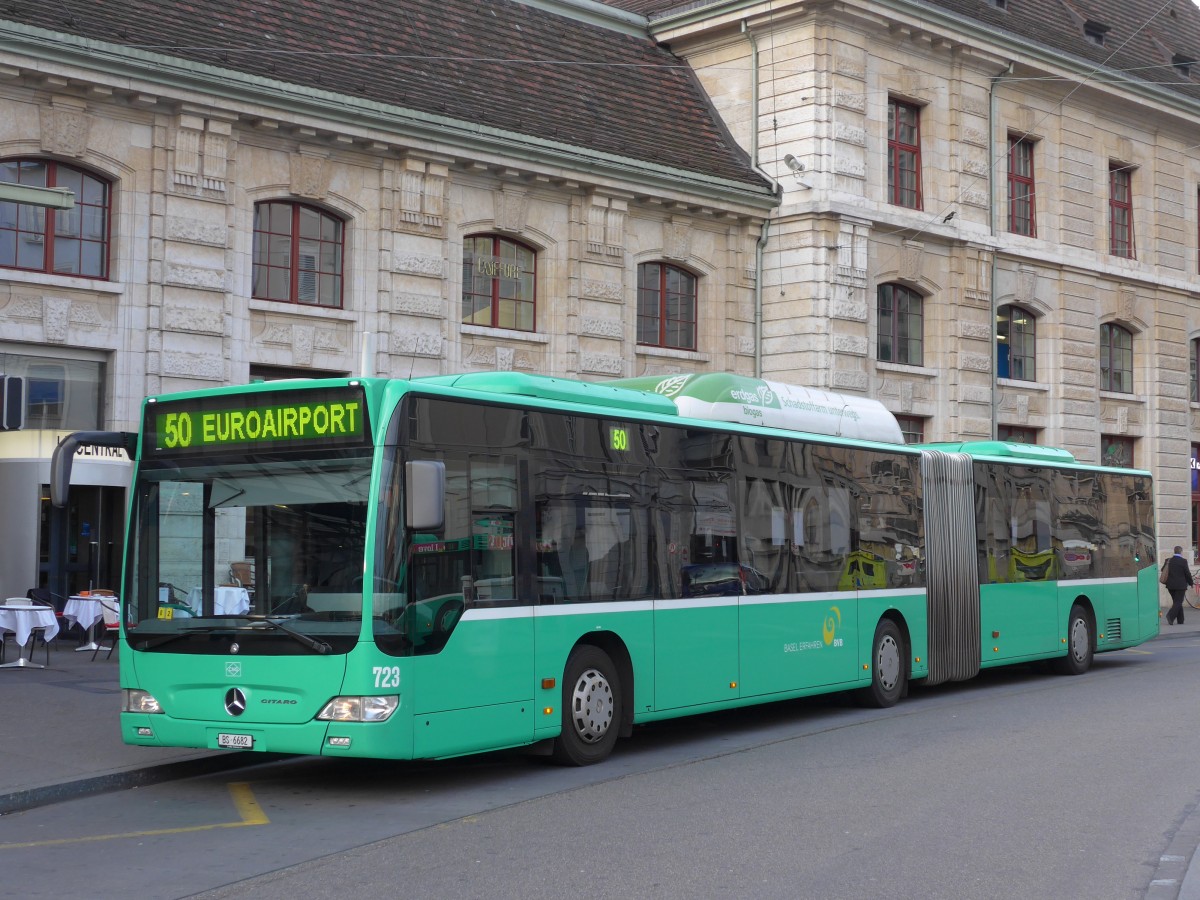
x=1084 y=92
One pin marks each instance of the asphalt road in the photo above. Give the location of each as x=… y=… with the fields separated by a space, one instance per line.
x=1018 y=784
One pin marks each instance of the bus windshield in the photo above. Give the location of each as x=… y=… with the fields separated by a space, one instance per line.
x=240 y=540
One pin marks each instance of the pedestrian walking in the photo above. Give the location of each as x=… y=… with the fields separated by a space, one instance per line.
x=1179 y=579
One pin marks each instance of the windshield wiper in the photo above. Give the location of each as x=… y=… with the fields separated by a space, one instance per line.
x=310 y=642
x=151 y=642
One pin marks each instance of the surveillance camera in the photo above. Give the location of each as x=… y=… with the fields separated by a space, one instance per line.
x=794 y=164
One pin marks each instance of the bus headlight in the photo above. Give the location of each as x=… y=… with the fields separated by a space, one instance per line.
x=359 y=709
x=135 y=701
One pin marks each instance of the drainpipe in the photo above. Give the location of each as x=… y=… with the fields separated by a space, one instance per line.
x=992 y=212
x=761 y=246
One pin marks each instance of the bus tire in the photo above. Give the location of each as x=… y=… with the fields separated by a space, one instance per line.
x=591 y=708
x=1079 y=644
x=889 y=674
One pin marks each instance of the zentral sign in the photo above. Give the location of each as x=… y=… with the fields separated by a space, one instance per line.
x=327 y=417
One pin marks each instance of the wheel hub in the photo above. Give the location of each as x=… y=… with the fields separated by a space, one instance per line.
x=887 y=662
x=592 y=706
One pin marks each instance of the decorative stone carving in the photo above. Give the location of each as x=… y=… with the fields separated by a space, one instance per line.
x=417 y=343
x=201 y=154
x=677 y=239
x=602 y=364
x=64 y=130
x=193 y=231
x=594 y=289
x=855 y=100
x=310 y=176
x=976 y=136
x=977 y=167
x=972 y=393
x=427 y=305
x=195 y=277
x=486 y=356
x=302 y=344
x=512 y=208
x=23 y=306
x=193 y=319
x=1027 y=280
x=851 y=68
x=850 y=344
x=849 y=381
x=421 y=199
x=414 y=264
x=912 y=255
x=850 y=134
x=979 y=331
x=56 y=319
x=975 y=362
x=852 y=168
x=847 y=308
x=745 y=346
x=606 y=225
x=972 y=197
x=597 y=326
x=193 y=365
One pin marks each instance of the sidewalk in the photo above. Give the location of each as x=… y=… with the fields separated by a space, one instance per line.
x=61 y=737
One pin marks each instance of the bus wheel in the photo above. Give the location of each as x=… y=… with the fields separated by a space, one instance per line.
x=1079 y=644
x=889 y=675
x=591 y=708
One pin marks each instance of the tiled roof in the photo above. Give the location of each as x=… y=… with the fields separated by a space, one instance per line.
x=499 y=63
x=1143 y=37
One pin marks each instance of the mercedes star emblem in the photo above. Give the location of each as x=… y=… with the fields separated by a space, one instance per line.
x=235 y=702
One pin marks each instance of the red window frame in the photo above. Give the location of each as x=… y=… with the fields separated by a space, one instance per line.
x=283 y=234
x=1016 y=434
x=1016 y=343
x=81 y=235
x=667 y=304
x=904 y=154
x=1194 y=370
x=1022 y=211
x=900 y=325
x=1116 y=359
x=913 y=428
x=500 y=291
x=1117 y=450
x=1120 y=211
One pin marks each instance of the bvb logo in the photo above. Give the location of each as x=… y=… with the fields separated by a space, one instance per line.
x=832 y=622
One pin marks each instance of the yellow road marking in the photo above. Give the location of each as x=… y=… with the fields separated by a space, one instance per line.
x=243 y=799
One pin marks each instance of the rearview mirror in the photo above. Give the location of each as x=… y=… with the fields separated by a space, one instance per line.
x=425 y=494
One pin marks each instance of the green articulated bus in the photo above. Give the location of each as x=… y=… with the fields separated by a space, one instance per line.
x=438 y=566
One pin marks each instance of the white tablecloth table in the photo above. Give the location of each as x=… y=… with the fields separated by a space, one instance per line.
x=227 y=601
x=21 y=620
x=86 y=612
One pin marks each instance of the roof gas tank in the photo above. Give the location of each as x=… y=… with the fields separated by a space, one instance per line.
x=721 y=397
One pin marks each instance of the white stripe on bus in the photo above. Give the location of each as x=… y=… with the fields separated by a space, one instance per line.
x=579 y=609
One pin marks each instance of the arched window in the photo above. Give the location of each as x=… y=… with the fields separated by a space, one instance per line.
x=297 y=254
x=1016 y=344
x=63 y=241
x=499 y=283
x=666 y=306
x=1116 y=359
x=901 y=325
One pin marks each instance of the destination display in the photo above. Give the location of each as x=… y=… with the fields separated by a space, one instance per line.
x=329 y=417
